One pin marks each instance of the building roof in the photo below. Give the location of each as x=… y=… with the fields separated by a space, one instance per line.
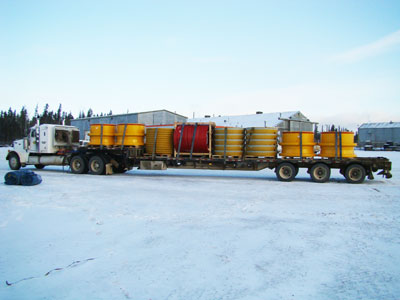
x=380 y=125
x=254 y=120
x=131 y=114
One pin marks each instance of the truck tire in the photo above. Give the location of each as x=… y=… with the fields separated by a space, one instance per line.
x=297 y=170
x=39 y=166
x=78 y=165
x=320 y=173
x=285 y=171
x=14 y=162
x=97 y=165
x=355 y=173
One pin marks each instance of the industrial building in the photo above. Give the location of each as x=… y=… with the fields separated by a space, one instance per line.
x=285 y=121
x=379 y=135
x=156 y=117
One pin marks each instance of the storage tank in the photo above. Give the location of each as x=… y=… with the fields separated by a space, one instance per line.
x=234 y=138
x=291 y=144
x=102 y=134
x=164 y=141
x=261 y=141
x=331 y=141
x=134 y=135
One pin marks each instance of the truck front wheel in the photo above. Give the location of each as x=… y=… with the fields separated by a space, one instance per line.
x=78 y=165
x=97 y=165
x=14 y=162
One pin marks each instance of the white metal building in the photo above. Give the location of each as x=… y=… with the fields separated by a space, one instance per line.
x=286 y=121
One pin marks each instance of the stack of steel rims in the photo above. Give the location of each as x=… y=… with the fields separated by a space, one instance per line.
x=130 y=135
x=164 y=138
x=261 y=142
x=102 y=134
x=292 y=140
x=229 y=141
x=336 y=144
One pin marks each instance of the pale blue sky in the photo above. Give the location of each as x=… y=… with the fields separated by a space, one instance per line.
x=337 y=61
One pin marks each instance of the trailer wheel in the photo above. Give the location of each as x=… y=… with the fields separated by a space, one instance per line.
x=14 y=162
x=285 y=171
x=320 y=173
x=39 y=166
x=78 y=165
x=355 y=173
x=97 y=165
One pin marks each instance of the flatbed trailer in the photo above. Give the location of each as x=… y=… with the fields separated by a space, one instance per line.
x=51 y=144
x=96 y=159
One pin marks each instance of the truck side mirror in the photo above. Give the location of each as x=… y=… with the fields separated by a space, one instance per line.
x=26 y=143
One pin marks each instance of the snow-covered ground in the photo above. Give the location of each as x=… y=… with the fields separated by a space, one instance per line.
x=187 y=234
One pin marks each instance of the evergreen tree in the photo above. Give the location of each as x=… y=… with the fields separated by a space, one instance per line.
x=316 y=134
x=356 y=137
x=59 y=115
x=43 y=119
x=15 y=125
x=23 y=122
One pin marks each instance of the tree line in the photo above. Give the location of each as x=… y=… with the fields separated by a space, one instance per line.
x=15 y=125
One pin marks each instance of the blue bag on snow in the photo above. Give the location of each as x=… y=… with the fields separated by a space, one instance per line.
x=22 y=177
x=31 y=179
x=12 y=178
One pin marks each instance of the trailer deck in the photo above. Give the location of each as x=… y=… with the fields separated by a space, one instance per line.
x=286 y=168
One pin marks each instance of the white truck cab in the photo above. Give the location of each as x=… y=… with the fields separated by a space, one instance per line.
x=46 y=144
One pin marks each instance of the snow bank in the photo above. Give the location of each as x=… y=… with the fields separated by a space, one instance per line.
x=186 y=234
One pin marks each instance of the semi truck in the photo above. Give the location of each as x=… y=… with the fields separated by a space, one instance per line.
x=50 y=144
x=45 y=145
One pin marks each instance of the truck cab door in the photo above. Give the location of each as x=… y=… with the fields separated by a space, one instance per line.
x=26 y=143
x=44 y=140
x=33 y=144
